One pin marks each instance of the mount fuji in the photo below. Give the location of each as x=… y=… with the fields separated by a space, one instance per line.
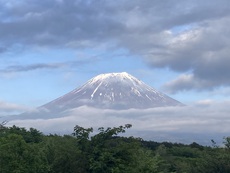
x=113 y=91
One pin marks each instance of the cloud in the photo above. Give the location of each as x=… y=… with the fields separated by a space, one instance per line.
x=187 y=36
x=55 y=23
x=21 y=68
x=185 y=82
x=2 y=49
x=203 y=53
x=180 y=124
x=39 y=66
x=60 y=23
x=7 y=108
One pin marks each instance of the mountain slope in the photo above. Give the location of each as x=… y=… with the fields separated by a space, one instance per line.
x=112 y=91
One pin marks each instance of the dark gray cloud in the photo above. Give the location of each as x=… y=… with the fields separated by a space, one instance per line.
x=184 y=36
x=56 y=23
x=62 y=22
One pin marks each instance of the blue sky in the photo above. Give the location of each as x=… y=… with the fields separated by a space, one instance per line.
x=48 y=48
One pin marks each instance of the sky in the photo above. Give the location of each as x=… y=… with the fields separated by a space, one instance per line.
x=48 y=48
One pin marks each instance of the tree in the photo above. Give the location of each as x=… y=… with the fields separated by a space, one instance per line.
x=110 y=153
x=107 y=152
x=17 y=156
x=2 y=126
x=31 y=136
x=63 y=155
x=227 y=142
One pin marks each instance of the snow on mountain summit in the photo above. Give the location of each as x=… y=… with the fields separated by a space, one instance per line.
x=113 y=91
x=122 y=75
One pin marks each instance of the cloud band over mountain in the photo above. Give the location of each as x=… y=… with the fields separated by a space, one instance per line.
x=200 y=123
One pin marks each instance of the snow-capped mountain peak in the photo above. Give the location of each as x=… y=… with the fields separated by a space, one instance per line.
x=118 y=76
x=113 y=91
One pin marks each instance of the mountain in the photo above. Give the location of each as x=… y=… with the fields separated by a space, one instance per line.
x=117 y=91
x=112 y=91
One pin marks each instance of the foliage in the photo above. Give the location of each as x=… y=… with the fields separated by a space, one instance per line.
x=17 y=156
x=31 y=151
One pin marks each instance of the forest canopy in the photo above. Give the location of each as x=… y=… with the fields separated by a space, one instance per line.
x=31 y=151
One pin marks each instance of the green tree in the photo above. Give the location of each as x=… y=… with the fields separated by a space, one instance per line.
x=63 y=155
x=107 y=152
x=17 y=156
x=30 y=136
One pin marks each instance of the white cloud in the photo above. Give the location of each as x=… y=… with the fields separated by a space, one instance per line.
x=6 y=107
x=206 y=102
x=166 y=123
